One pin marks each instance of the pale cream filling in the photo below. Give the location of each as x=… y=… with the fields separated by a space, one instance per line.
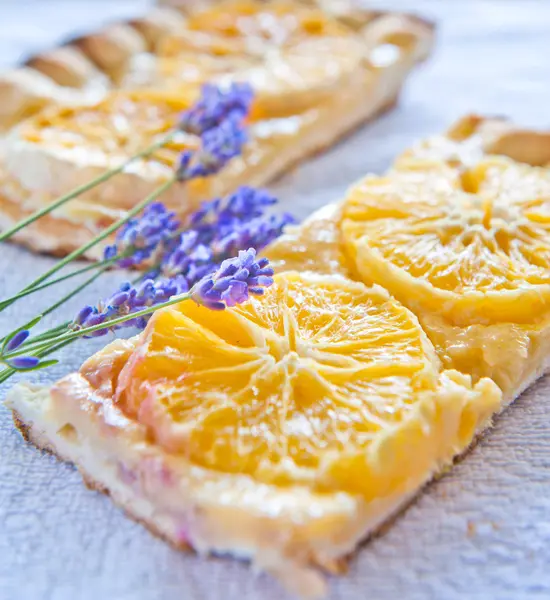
x=214 y=512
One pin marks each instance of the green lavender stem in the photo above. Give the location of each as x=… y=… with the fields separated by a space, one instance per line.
x=7 y=372
x=104 y=263
x=34 y=348
x=50 y=333
x=74 y=292
x=59 y=328
x=84 y=188
x=98 y=238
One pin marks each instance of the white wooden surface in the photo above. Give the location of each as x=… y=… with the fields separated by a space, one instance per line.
x=483 y=531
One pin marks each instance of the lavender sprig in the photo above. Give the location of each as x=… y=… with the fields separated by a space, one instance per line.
x=21 y=362
x=187 y=258
x=126 y=301
x=189 y=262
x=234 y=281
x=231 y=284
x=139 y=238
x=215 y=105
x=218 y=146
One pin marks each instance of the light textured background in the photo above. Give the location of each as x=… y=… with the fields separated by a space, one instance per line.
x=483 y=531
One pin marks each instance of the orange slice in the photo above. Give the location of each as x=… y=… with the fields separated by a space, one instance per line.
x=471 y=244
x=272 y=45
x=322 y=382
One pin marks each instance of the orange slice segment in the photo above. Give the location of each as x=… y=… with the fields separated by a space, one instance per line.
x=314 y=384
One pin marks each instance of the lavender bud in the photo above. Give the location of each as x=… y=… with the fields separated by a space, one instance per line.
x=23 y=362
x=17 y=340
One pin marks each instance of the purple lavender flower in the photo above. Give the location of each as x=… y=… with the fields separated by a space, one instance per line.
x=257 y=233
x=248 y=202
x=22 y=363
x=17 y=340
x=216 y=105
x=140 y=238
x=218 y=230
x=19 y=363
x=127 y=300
x=82 y=317
x=234 y=281
x=151 y=293
x=217 y=219
x=231 y=284
x=219 y=145
x=245 y=204
x=190 y=258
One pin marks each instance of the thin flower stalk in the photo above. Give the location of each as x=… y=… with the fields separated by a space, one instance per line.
x=215 y=107
x=102 y=265
x=87 y=331
x=5 y=235
x=73 y=292
x=96 y=240
x=233 y=283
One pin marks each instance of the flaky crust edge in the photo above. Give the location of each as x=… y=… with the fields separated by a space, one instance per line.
x=300 y=572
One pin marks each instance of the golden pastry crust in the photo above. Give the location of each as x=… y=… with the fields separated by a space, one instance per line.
x=405 y=32
x=126 y=54
x=498 y=135
x=274 y=147
x=157 y=24
x=474 y=136
x=25 y=91
x=113 y=48
x=69 y=67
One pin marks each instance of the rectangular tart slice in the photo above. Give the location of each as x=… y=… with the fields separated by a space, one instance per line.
x=86 y=107
x=284 y=430
x=63 y=147
x=275 y=45
x=458 y=231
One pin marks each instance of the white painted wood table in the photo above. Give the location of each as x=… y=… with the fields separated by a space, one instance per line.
x=483 y=531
